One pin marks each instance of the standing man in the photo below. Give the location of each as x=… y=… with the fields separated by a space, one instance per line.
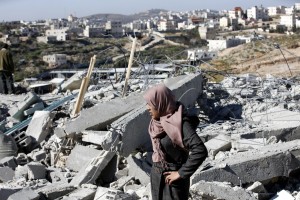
x=7 y=69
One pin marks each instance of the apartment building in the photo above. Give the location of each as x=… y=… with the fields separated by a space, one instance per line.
x=114 y=28
x=257 y=13
x=288 y=20
x=55 y=59
x=60 y=34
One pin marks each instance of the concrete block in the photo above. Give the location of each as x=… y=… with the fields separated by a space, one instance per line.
x=34 y=107
x=123 y=172
x=93 y=169
x=58 y=177
x=119 y=184
x=220 y=143
x=89 y=119
x=246 y=144
x=108 y=174
x=81 y=155
x=19 y=137
x=9 y=162
x=139 y=169
x=18 y=111
x=218 y=190
x=260 y=164
x=6 y=191
x=257 y=187
x=73 y=82
x=56 y=190
x=83 y=194
x=36 y=171
x=39 y=155
x=26 y=193
x=6 y=174
x=130 y=132
x=40 y=125
x=107 y=193
x=94 y=137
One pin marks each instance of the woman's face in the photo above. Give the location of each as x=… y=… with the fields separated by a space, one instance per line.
x=153 y=112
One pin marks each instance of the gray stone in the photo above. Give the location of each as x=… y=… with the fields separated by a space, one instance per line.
x=91 y=171
x=6 y=174
x=257 y=187
x=217 y=190
x=6 y=191
x=139 y=169
x=119 y=184
x=80 y=155
x=60 y=132
x=83 y=194
x=260 y=164
x=40 y=125
x=34 y=107
x=9 y=162
x=95 y=137
x=36 y=171
x=39 y=155
x=108 y=193
x=18 y=111
x=8 y=146
x=89 y=119
x=21 y=172
x=25 y=194
x=56 y=190
x=220 y=143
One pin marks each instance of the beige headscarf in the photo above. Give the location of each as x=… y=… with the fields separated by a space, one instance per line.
x=170 y=122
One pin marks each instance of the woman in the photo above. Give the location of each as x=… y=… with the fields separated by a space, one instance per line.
x=177 y=149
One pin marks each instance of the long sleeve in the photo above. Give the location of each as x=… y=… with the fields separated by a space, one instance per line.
x=196 y=148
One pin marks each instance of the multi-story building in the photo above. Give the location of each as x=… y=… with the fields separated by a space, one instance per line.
x=288 y=20
x=165 y=25
x=55 y=59
x=224 y=22
x=93 y=31
x=60 y=34
x=206 y=33
x=257 y=13
x=237 y=12
x=114 y=28
x=272 y=11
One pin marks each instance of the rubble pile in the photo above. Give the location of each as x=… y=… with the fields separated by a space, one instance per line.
x=249 y=124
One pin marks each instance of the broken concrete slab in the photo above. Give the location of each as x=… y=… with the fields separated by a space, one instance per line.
x=94 y=137
x=26 y=193
x=220 y=143
x=9 y=161
x=139 y=169
x=132 y=127
x=6 y=174
x=108 y=193
x=8 y=146
x=40 y=125
x=219 y=190
x=89 y=119
x=246 y=144
x=36 y=171
x=119 y=184
x=17 y=112
x=56 y=190
x=91 y=171
x=33 y=108
x=82 y=194
x=283 y=195
x=260 y=164
x=7 y=190
x=80 y=155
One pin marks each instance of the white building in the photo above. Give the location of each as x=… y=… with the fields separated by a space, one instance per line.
x=165 y=25
x=224 y=22
x=289 y=11
x=55 y=59
x=199 y=54
x=272 y=11
x=217 y=45
x=288 y=20
x=93 y=32
x=60 y=34
x=46 y=39
x=206 y=33
x=114 y=28
x=297 y=6
x=257 y=13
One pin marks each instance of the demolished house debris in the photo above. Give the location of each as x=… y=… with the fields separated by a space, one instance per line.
x=250 y=126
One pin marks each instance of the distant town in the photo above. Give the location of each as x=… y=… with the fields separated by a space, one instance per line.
x=154 y=26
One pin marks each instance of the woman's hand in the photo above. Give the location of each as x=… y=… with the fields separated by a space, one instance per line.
x=171 y=177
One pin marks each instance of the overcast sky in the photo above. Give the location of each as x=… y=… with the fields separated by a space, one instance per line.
x=46 y=9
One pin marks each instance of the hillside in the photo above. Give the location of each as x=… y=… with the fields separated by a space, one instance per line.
x=262 y=57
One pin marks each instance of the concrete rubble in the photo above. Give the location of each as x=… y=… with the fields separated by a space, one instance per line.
x=249 y=124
